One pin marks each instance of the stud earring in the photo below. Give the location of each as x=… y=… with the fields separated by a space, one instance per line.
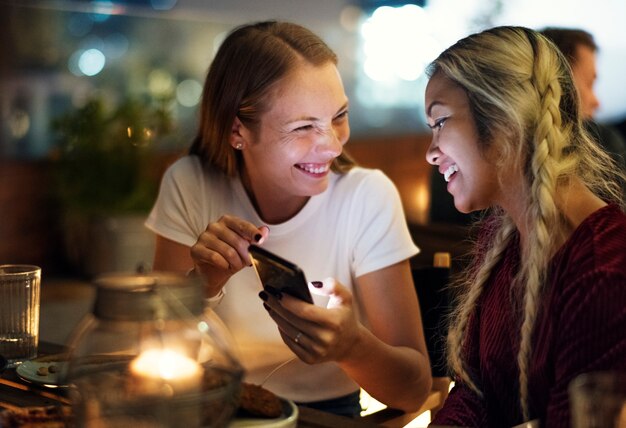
x=239 y=146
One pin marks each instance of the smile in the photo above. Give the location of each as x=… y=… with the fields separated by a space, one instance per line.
x=313 y=168
x=449 y=172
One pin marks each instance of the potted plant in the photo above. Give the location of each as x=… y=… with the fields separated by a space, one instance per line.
x=106 y=181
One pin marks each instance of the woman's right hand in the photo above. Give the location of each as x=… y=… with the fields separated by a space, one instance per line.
x=222 y=250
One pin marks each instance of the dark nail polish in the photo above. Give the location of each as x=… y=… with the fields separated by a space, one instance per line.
x=317 y=284
x=267 y=308
x=263 y=295
x=257 y=237
x=274 y=292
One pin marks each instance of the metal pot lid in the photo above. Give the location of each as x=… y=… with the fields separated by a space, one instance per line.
x=147 y=296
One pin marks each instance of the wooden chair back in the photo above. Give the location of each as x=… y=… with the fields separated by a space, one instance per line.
x=431 y=285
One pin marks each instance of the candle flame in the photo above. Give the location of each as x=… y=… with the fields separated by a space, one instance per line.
x=165 y=364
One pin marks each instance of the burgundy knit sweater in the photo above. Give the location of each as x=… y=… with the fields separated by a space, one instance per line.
x=581 y=328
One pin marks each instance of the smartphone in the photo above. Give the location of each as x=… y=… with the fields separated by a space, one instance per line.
x=279 y=275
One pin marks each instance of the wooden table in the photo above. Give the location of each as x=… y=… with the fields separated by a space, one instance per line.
x=311 y=418
x=18 y=393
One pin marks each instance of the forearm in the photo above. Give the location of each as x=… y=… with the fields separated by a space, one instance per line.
x=398 y=376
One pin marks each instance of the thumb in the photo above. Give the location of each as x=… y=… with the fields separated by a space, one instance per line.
x=339 y=294
x=265 y=232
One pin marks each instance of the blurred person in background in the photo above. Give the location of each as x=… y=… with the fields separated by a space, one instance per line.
x=580 y=50
x=549 y=266
x=268 y=167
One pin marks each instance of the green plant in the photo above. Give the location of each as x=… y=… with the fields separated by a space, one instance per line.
x=105 y=159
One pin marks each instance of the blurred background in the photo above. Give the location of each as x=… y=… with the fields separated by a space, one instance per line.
x=98 y=97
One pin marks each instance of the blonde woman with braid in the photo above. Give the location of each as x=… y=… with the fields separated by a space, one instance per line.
x=545 y=299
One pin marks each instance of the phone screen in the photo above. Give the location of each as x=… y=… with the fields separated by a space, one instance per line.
x=279 y=275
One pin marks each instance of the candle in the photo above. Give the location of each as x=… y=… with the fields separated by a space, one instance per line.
x=165 y=372
x=173 y=379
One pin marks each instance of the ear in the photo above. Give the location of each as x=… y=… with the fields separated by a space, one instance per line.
x=237 y=138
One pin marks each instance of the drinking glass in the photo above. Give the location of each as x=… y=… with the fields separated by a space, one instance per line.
x=598 y=400
x=19 y=312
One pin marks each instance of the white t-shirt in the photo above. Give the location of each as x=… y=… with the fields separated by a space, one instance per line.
x=355 y=227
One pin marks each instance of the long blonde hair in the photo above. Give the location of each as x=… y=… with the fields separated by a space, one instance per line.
x=525 y=106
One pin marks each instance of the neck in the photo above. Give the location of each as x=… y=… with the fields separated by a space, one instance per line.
x=271 y=207
x=577 y=202
x=574 y=201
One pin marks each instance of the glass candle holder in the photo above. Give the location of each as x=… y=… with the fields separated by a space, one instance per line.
x=150 y=355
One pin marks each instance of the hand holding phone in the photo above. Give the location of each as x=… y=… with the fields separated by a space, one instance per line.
x=279 y=275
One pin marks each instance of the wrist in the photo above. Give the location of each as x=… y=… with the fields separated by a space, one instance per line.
x=214 y=301
x=213 y=298
x=356 y=349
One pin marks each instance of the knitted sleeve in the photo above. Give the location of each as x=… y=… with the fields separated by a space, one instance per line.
x=592 y=335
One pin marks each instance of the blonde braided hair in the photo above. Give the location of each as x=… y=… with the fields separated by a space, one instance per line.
x=524 y=105
x=549 y=144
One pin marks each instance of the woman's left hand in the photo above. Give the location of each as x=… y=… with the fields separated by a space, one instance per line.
x=313 y=333
x=388 y=359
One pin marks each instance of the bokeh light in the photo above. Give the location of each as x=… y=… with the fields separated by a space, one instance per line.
x=87 y=62
x=396 y=43
x=115 y=45
x=163 y=4
x=188 y=92
x=103 y=9
x=79 y=25
x=160 y=83
x=19 y=123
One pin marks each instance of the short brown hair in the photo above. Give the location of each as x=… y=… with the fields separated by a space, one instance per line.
x=249 y=62
x=568 y=40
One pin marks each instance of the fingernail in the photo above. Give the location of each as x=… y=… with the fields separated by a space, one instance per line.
x=317 y=284
x=263 y=295
x=267 y=308
x=257 y=237
x=274 y=292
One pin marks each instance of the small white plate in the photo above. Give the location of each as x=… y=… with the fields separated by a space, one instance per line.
x=30 y=371
x=289 y=419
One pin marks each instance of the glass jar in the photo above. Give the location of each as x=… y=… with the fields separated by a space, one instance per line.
x=149 y=355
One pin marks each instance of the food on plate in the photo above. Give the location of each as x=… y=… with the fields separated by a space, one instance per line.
x=255 y=400
x=45 y=370
x=35 y=417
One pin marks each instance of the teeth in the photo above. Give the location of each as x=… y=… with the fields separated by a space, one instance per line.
x=314 y=170
x=448 y=172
